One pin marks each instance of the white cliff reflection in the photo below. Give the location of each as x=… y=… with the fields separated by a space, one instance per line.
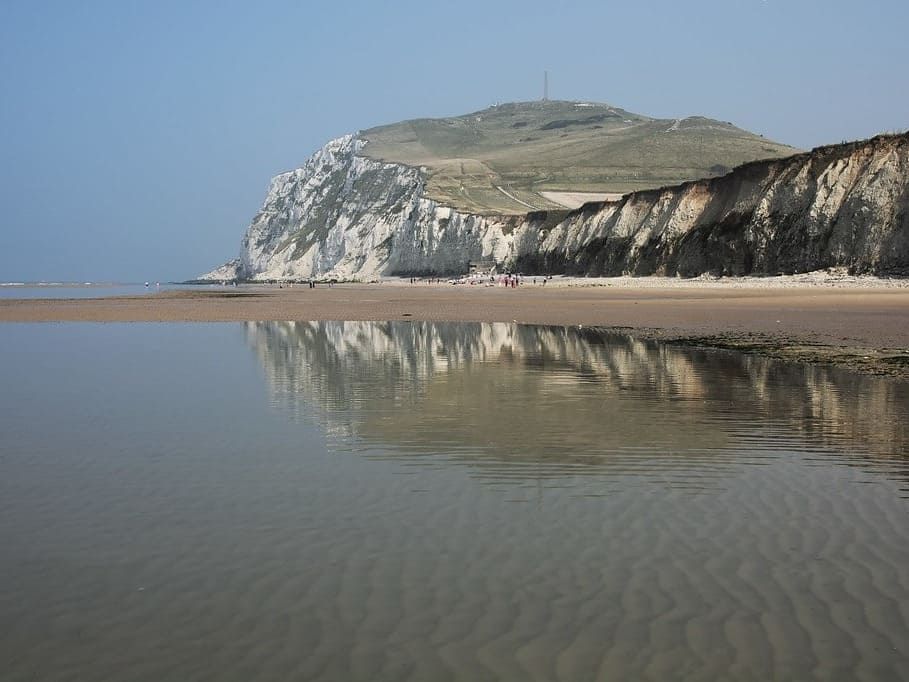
x=519 y=401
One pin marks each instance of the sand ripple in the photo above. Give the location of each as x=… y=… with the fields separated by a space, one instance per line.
x=150 y=533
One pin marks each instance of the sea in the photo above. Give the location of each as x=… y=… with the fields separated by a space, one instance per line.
x=91 y=289
x=426 y=501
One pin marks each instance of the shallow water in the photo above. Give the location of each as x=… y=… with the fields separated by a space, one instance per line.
x=347 y=501
x=90 y=290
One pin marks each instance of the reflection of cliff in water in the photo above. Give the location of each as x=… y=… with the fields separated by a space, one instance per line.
x=507 y=396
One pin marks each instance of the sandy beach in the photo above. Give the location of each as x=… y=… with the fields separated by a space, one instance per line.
x=860 y=323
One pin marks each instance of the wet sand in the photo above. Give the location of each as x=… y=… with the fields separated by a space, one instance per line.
x=860 y=326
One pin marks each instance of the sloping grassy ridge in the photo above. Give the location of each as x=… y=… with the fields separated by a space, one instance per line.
x=501 y=159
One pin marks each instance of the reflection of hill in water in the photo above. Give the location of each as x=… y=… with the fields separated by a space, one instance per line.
x=520 y=398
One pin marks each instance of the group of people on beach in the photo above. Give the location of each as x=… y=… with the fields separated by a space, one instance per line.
x=506 y=280
x=509 y=280
x=311 y=283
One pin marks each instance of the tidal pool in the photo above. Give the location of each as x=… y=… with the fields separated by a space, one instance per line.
x=404 y=500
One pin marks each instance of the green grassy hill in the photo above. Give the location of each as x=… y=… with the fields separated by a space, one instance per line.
x=511 y=158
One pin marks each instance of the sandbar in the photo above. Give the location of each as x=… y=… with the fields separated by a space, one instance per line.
x=859 y=324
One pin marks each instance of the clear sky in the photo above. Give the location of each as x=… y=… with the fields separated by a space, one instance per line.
x=137 y=138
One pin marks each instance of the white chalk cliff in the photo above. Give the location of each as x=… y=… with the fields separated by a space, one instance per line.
x=345 y=216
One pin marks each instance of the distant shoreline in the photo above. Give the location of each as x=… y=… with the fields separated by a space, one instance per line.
x=859 y=323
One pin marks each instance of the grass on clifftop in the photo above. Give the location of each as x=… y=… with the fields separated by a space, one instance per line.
x=499 y=160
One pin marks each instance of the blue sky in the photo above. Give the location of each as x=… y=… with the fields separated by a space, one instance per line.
x=137 y=138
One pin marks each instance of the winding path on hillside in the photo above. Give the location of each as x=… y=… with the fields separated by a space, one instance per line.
x=514 y=198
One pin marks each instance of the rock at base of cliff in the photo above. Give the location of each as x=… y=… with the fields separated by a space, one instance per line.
x=226 y=272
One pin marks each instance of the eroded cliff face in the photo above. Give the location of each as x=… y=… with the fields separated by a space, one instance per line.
x=838 y=206
x=342 y=215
